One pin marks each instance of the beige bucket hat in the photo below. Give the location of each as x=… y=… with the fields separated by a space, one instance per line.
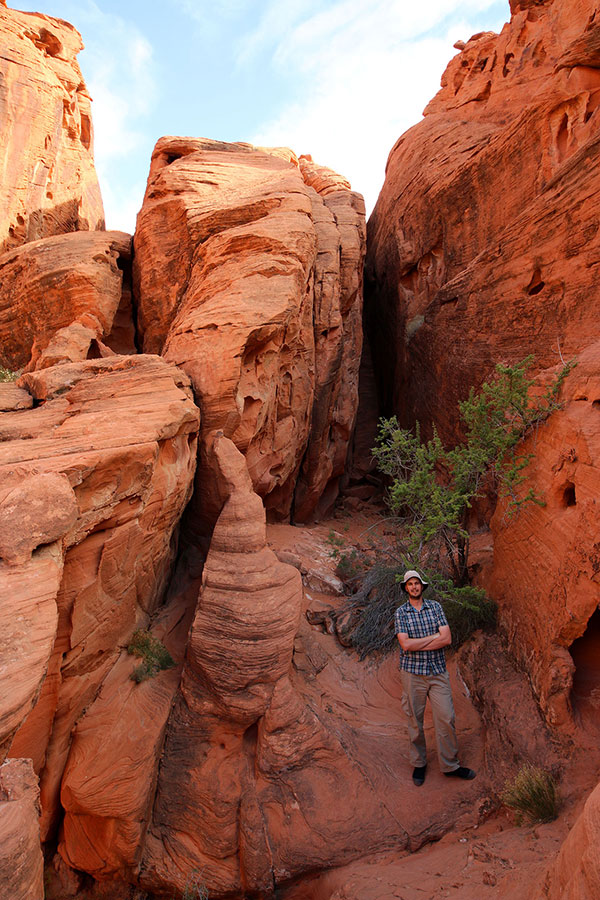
x=412 y=574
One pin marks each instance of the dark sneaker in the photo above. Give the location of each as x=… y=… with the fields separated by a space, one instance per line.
x=419 y=775
x=461 y=772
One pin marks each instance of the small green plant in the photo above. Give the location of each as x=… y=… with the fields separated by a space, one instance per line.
x=194 y=888
x=350 y=562
x=532 y=795
x=153 y=653
x=7 y=375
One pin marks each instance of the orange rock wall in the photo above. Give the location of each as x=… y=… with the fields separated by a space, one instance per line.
x=60 y=297
x=499 y=260
x=21 y=860
x=104 y=466
x=575 y=874
x=48 y=184
x=249 y=278
x=484 y=248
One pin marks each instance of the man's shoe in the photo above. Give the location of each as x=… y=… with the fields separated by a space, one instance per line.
x=419 y=775
x=461 y=772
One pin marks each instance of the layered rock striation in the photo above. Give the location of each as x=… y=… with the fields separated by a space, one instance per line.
x=93 y=480
x=248 y=274
x=49 y=184
x=66 y=298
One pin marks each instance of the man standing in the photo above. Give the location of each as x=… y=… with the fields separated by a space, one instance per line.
x=423 y=632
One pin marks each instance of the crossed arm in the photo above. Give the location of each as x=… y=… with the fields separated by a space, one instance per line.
x=434 y=642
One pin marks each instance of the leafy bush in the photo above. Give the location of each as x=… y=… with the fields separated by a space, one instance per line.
x=532 y=795
x=153 y=653
x=7 y=375
x=432 y=488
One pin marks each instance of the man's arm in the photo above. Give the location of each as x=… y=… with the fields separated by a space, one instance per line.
x=434 y=642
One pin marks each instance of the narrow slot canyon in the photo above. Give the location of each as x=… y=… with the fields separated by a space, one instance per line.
x=585 y=694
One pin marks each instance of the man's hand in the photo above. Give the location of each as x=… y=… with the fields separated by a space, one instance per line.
x=435 y=642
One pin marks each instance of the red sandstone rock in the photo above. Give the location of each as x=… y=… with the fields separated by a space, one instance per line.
x=498 y=261
x=545 y=569
x=21 y=860
x=49 y=184
x=60 y=295
x=120 y=435
x=13 y=397
x=575 y=875
x=271 y=756
x=232 y=241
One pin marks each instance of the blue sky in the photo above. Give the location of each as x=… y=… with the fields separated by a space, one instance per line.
x=339 y=79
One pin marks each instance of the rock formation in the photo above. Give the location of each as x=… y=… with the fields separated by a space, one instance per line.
x=277 y=736
x=500 y=259
x=500 y=262
x=49 y=184
x=247 y=272
x=60 y=296
x=575 y=874
x=93 y=480
x=21 y=860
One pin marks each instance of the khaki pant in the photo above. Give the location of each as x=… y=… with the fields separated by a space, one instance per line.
x=416 y=690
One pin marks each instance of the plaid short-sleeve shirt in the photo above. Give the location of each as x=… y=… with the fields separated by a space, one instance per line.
x=418 y=624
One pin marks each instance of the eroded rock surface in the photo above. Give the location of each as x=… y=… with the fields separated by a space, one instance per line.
x=500 y=259
x=95 y=479
x=575 y=875
x=21 y=860
x=547 y=558
x=248 y=269
x=60 y=296
x=49 y=184
x=499 y=263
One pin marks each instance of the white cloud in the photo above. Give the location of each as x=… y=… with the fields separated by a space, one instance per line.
x=365 y=71
x=120 y=74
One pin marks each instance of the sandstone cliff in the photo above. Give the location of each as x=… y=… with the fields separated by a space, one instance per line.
x=483 y=248
x=49 y=184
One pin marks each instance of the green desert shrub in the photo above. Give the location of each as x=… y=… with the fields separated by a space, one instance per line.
x=7 y=375
x=532 y=795
x=432 y=488
x=153 y=653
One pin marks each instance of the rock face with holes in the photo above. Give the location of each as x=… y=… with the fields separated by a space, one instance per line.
x=65 y=298
x=49 y=184
x=547 y=558
x=248 y=272
x=500 y=260
x=93 y=482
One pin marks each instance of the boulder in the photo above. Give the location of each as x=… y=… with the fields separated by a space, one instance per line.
x=247 y=270
x=575 y=874
x=49 y=183
x=60 y=296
